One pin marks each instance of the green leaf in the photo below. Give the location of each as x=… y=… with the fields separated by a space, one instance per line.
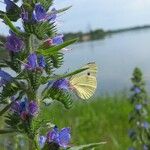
x=68 y=75
x=62 y=96
x=42 y=30
x=62 y=10
x=46 y=3
x=14 y=12
x=34 y=43
x=3 y=65
x=7 y=107
x=4 y=131
x=2 y=13
x=86 y=147
x=12 y=27
x=54 y=49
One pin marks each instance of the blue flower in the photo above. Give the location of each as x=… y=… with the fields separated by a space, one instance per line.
x=62 y=84
x=52 y=136
x=145 y=147
x=137 y=90
x=145 y=125
x=42 y=140
x=131 y=133
x=14 y=43
x=31 y=62
x=33 y=108
x=25 y=108
x=39 y=13
x=25 y=16
x=62 y=137
x=138 y=107
x=34 y=62
x=4 y=77
x=58 y=39
x=131 y=148
x=41 y=62
x=9 y=5
x=53 y=15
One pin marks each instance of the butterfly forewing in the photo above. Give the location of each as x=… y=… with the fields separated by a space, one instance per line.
x=84 y=84
x=92 y=69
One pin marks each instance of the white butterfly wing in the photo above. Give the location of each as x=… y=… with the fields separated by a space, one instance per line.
x=84 y=84
x=92 y=68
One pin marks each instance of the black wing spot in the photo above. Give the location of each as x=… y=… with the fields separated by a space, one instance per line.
x=88 y=74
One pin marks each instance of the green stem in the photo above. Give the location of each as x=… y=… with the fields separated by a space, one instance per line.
x=33 y=144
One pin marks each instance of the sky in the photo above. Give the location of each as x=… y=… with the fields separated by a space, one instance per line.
x=107 y=14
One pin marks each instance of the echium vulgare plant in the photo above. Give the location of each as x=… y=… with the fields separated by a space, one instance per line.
x=34 y=53
x=138 y=118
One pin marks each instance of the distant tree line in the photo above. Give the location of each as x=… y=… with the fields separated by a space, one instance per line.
x=100 y=33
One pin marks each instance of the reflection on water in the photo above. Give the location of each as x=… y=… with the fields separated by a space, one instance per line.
x=116 y=57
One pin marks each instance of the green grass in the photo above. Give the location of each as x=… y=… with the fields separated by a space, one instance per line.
x=103 y=119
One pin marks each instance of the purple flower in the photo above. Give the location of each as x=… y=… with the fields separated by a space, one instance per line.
x=33 y=108
x=145 y=147
x=39 y=13
x=53 y=135
x=34 y=63
x=62 y=84
x=4 y=77
x=145 y=125
x=137 y=90
x=62 y=137
x=42 y=140
x=131 y=148
x=9 y=5
x=16 y=107
x=14 y=43
x=131 y=133
x=25 y=16
x=53 y=15
x=41 y=61
x=31 y=61
x=138 y=107
x=25 y=109
x=58 y=39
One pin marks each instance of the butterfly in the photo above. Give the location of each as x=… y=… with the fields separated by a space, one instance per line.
x=84 y=84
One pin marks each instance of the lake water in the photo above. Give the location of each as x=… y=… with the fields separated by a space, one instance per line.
x=116 y=57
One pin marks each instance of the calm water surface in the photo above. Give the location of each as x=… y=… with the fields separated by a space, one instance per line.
x=116 y=57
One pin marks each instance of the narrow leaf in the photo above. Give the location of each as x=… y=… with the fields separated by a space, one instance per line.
x=64 y=9
x=34 y=43
x=5 y=108
x=60 y=10
x=12 y=27
x=6 y=131
x=84 y=147
x=54 y=49
x=69 y=74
